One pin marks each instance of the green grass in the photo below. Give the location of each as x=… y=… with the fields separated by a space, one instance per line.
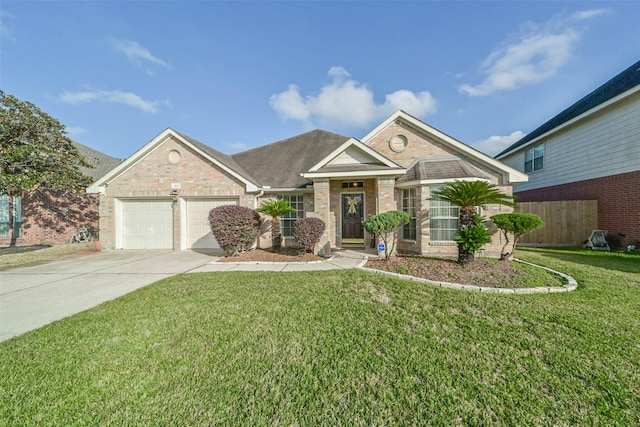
x=339 y=348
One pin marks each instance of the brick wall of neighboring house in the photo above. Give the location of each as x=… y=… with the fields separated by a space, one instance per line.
x=618 y=201
x=55 y=216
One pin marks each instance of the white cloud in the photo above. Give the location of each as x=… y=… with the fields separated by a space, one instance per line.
x=115 y=96
x=5 y=31
x=75 y=131
x=534 y=55
x=138 y=54
x=236 y=146
x=495 y=144
x=345 y=103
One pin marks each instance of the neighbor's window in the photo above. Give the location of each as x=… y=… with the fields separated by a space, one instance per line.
x=5 y=216
x=534 y=159
x=409 y=206
x=287 y=220
x=443 y=219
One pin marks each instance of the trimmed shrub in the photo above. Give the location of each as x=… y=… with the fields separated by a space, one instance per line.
x=384 y=227
x=517 y=224
x=308 y=232
x=234 y=227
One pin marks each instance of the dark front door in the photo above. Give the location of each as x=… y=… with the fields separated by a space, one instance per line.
x=352 y=211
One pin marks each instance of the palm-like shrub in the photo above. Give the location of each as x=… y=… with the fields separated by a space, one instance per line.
x=468 y=195
x=275 y=208
x=308 y=232
x=234 y=227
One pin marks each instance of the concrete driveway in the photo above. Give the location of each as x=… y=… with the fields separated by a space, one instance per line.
x=34 y=296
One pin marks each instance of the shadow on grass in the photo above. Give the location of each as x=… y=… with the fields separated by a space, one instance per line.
x=628 y=262
x=8 y=250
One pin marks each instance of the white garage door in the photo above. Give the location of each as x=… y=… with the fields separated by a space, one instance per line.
x=198 y=229
x=147 y=224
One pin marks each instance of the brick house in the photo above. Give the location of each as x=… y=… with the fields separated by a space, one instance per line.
x=47 y=216
x=160 y=197
x=590 y=151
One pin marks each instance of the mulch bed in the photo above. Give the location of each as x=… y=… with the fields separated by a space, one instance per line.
x=267 y=255
x=482 y=272
x=486 y=272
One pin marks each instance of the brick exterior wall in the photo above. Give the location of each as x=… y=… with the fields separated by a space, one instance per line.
x=55 y=216
x=420 y=145
x=152 y=178
x=618 y=201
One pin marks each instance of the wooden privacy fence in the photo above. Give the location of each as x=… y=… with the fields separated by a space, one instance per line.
x=566 y=223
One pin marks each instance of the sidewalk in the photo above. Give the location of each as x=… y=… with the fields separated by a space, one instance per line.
x=343 y=259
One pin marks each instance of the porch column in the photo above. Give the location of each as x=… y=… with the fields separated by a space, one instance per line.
x=321 y=209
x=385 y=193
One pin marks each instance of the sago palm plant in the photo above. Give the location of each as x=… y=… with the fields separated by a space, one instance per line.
x=275 y=208
x=467 y=195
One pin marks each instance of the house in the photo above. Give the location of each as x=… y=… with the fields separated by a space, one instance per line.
x=161 y=196
x=590 y=151
x=48 y=216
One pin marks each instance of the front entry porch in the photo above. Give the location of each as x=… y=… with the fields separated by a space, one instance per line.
x=345 y=202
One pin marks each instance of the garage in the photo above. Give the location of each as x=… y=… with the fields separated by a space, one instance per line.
x=147 y=224
x=198 y=229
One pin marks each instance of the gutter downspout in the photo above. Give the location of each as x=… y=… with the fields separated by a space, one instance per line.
x=255 y=206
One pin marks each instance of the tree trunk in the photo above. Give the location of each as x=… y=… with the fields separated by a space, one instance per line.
x=276 y=235
x=467 y=218
x=465 y=257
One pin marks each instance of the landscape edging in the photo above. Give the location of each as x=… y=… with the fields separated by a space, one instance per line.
x=572 y=285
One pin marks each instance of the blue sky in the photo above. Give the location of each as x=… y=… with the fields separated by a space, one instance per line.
x=236 y=75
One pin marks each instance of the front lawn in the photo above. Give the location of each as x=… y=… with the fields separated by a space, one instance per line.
x=339 y=348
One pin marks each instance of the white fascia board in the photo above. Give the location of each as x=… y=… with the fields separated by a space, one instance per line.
x=287 y=190
x=150 y=147
x=512 y=175
x=425 y=182
x=130 y=161
x=249 y=186
x=355 y=173
x=354 y=142
x=576 y=119
x=383 y=125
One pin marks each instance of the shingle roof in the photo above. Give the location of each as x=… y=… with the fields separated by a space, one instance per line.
x=101 y=162
x=225 y=159
x=279 y=164
x=624 y=81
x=441 y=170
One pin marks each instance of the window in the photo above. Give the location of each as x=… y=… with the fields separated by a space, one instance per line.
x=6 y=211
x=409 y=206
x=534 y=159
x=287 y=220
x=443 y=219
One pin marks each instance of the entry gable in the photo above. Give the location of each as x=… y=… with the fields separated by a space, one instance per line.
x=219 y=160
x=356 y=158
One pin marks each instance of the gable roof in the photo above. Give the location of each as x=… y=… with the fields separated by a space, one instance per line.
x=439 y=170
x=510 y=174
x=100 y=162
x=353 y=158
x=221 y=160
x=279 y=164
x=617 y=86
x=220 y=157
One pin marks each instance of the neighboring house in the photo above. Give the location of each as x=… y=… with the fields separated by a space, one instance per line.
x=161 y=196
x=590 y=151
x=48 y=216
